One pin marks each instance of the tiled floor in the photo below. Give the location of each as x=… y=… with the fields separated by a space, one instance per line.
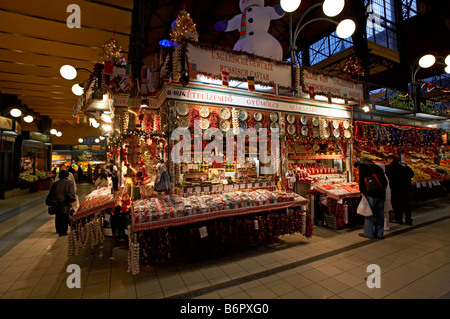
x=414 y=263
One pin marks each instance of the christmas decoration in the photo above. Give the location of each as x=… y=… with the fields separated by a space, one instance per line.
x=253 y=25
x=353 y=67
x=183 y=28
x=111 y=53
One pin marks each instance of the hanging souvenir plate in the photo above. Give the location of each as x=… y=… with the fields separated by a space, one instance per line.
x=225 y=113
x=304 y=119
x=324 y=123
x=291 y=129
x=257 y=116
x=257 y=126
x=242 y=126
x=335 y=123
x=274 y=116
x=305 y=131
x=171 y=103
x=224 y=125
x=346 y=124
x=204 y=111
x=205 y=124
x=315 y=121
x=183 y=122
x=274 y=125
x=336 y=133
x=316 y=132
x=347 y=134
x=316 y=147
x=182 y=109
x=290 y=118
x=326 y=132
x=243 y=114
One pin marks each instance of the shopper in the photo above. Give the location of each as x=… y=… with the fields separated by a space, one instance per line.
x=399 y=176
x=89 y=174
x=80 y=175
x=71 y=177
x=62 y=196
x=102 y=179
x=387 y=201
x=162 y=179
x=373 y=225
x=113 y=172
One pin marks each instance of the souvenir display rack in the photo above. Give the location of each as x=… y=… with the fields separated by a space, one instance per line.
x=220 y=224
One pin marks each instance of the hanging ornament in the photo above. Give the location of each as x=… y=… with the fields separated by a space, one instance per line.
x=183 y=28
x=353 y=67
x=111 y=52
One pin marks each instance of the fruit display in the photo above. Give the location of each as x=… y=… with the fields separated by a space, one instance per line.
x=423 y=172
x=29 y=177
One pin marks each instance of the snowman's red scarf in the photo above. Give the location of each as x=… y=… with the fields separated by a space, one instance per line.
x=243 y=32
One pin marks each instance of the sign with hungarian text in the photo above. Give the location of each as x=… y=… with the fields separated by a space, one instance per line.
x=252 y=100
x=212 y=62
x=332 y=86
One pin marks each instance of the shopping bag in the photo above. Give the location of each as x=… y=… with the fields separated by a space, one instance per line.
x=364 y=208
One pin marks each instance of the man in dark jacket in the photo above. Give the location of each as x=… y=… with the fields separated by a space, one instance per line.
x=399 y=176
x=373 y=225
x=61 y=195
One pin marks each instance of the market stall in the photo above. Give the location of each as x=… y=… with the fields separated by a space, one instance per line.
x=414 y=145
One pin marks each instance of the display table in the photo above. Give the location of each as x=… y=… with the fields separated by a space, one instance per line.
x=212 y=234
x=338 y=204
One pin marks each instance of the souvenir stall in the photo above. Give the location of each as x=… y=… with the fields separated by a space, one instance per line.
x=416 y=146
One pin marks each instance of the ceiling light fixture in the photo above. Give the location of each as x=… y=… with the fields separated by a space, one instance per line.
x=15 y=112
x=102 y=138
x=77 y=89
x=97 y=140
x=59 y=134
x=68 y=72
x=427 y=61
x=345 y=28
x=80 y=140
x=290 y=5
x=28 y=119
x=366 y=108
x=106 y=127
x=332 y=8
x=53 y=131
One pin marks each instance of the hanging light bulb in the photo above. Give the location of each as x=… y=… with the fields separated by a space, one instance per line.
x=68 y=72
x=77 y=89
x=53 y=131
x=28 y=119
x=101 y=138
x=332 y=8
x=97 y=140
x=447 y=69
x=366 y=108
x=345 y=28
x=59 y=134
x=15 y=112
x=290 y=5
x=80 y=140
x=427 y=61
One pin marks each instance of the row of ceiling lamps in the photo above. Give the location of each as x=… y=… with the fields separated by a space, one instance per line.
x=97 y=140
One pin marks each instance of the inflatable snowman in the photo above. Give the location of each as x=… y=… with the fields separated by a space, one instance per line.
x=253 y=25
